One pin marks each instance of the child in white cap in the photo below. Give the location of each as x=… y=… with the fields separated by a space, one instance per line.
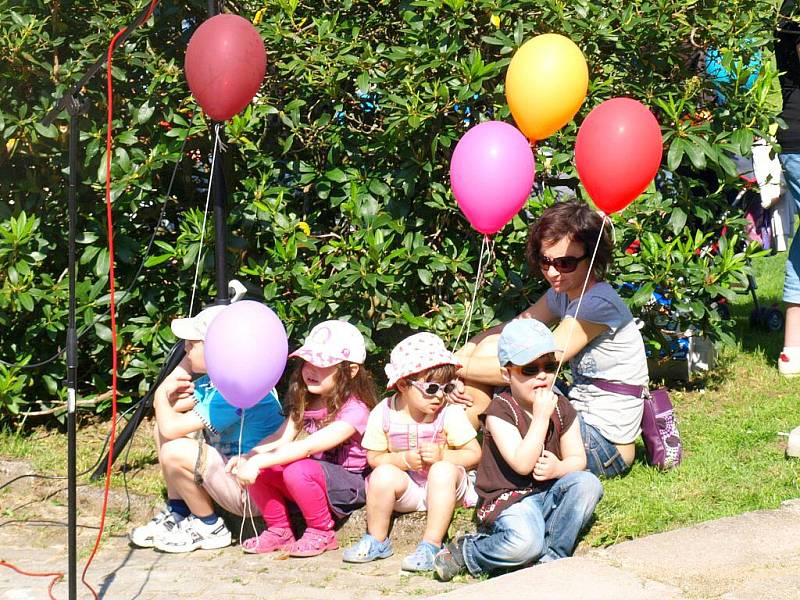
x=419 y=447
x=535 y=497
x=197 y=432
x=318 y=462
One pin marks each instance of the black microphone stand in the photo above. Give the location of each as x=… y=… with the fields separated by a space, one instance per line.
x=75 y=107
x=217 y=179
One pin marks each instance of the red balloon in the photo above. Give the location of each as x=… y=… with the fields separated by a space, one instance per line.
x=225 y=65
x=618 y=152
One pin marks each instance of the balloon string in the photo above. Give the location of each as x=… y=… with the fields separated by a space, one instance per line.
x=478 y=281
x=245 y=493
x=205 y=219
x=580 y=300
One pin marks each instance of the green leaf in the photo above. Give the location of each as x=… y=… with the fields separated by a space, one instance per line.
x=144 y=113
x=336 y=175
x=675 y=154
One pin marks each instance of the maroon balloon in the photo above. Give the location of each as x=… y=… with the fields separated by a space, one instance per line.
x=618 y=152
x=225 y=65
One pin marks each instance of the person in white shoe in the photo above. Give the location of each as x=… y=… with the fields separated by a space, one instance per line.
x=197 y=432
x=786 y=54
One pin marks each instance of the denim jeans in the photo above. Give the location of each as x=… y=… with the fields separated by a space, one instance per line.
x=602 y=457
x=543 y=526
x=791 y=282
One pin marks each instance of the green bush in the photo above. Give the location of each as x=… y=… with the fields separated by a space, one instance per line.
x=338 y=171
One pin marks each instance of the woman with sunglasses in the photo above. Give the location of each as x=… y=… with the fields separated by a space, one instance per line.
x=603 y=345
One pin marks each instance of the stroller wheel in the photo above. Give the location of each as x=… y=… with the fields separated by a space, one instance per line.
x=773 y=320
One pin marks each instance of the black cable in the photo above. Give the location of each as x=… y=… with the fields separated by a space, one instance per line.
x=127 y=291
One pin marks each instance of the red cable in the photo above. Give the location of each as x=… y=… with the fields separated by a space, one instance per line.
x=112 y=307
x=110 y=232
x=56 y=576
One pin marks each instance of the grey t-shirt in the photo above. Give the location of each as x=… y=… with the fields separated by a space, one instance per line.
x=615 y=355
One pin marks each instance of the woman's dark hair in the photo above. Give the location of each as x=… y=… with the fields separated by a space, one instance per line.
x=439 y=374
x=361 y=386
x=578 y=222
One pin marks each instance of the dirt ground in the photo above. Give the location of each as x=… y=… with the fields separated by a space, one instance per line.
x=33 y=537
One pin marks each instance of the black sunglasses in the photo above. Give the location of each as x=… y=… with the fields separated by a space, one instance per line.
x=431 y=388
x=534 y=368
x=563 y=264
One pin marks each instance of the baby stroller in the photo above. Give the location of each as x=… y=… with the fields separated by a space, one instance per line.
x=760 y=229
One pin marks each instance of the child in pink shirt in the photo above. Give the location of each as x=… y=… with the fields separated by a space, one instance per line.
x=318 y=462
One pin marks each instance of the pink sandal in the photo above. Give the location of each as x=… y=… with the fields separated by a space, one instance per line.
x=270 y=540
x=313 y=543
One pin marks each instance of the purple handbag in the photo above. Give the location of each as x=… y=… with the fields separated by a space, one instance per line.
x=662 y=442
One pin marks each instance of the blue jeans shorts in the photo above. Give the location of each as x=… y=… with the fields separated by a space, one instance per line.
x=791 y=282
x=602 y=457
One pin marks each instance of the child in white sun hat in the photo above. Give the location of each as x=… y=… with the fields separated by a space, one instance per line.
x=419 y=447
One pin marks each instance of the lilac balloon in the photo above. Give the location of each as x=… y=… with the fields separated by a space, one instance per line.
x=491 y=174
x=245 y=352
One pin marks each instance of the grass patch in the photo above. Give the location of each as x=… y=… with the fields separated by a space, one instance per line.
x=47 y=452
x=733 y=456
x=734 y=459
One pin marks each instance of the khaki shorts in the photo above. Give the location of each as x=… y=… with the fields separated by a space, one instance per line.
x=415 y=498
x=223 y=488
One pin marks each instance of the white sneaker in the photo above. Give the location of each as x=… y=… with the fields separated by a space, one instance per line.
x=192 y=533
x=145 y=535
x=789 y=365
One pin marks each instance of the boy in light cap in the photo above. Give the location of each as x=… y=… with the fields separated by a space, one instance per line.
x=197 y=431
x=535 y=497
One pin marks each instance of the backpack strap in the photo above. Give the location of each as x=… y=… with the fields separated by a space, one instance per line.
x=385 y=405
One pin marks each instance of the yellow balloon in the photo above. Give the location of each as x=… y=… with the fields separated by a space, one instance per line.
x=546 y=84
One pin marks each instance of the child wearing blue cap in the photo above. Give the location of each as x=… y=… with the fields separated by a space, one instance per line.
x=535 y=497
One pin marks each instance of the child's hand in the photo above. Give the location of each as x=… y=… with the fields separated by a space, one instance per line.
x=246 y=472
x=546 y=467
x=457 y=396
x=544 y=402
x=413 y=460
x=233 y=463
x=178 y=387
x=431 y=453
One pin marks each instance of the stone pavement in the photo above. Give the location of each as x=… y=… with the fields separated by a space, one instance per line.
x=755 y=555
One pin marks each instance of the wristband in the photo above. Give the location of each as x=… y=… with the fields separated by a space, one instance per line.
x=408 y=466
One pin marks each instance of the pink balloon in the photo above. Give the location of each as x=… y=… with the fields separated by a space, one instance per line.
x=491 y=174
x=245 y=352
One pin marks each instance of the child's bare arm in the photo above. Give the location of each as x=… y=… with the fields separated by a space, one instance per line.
x=468 y=455
x=284 y=434
x=520 y=453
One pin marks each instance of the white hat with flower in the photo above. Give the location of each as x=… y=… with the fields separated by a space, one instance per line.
x=416 y=353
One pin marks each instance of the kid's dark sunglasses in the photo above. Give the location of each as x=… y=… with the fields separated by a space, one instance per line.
x=563 y=264
x=534 y=368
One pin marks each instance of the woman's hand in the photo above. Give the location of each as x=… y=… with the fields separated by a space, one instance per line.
x=547 y=467
x=458 y=396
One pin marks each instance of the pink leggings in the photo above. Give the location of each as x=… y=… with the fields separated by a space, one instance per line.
x=302 y=482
